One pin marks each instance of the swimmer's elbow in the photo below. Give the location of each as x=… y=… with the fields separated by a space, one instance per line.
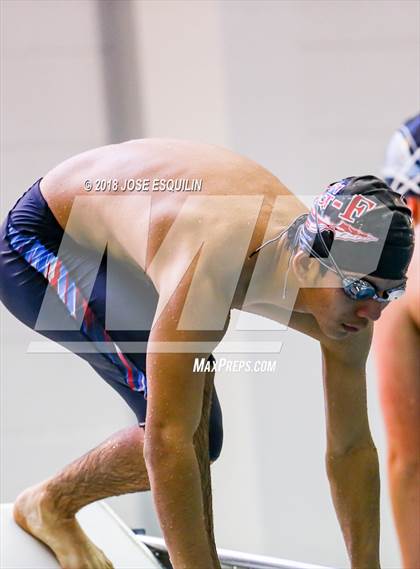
x=359 y=447
x=164 y=443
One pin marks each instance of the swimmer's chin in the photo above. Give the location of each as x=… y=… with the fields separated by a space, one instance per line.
x=338 y=333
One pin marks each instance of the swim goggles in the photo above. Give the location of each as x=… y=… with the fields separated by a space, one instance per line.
x=359 y=289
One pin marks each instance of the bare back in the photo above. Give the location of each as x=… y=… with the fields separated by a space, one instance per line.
x=118 y=216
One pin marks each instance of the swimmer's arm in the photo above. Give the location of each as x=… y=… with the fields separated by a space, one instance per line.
x=175 y=398
x=173 y=416
x=351 y=459
x=411 y=301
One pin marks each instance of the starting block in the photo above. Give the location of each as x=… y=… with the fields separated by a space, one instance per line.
x=19 y=550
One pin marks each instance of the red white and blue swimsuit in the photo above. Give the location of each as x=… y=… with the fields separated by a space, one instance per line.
x=59 y=292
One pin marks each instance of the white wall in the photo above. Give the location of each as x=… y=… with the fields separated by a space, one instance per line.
x=312 y=90
x=52 y=95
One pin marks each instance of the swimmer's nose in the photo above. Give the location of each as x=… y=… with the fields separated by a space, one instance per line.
x=370 y=309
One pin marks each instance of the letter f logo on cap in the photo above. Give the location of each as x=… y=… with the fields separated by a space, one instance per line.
x=358 y=206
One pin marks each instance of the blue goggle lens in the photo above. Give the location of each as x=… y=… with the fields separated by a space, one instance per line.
x=358 y=290
x=362 y=290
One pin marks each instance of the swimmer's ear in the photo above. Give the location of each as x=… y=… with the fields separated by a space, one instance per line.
x=306 y=269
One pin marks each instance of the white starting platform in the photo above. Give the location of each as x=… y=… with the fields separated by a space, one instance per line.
x=18 y=550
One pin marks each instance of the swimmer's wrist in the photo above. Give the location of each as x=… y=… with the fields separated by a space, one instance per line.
x=178 y=501
x=366 y=562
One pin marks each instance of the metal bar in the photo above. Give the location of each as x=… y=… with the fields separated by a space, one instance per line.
x=236 y=558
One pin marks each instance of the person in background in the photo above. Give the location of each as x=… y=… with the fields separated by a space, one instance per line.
x=397 y=341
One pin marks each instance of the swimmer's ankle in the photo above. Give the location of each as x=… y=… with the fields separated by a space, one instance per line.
x=55 y=502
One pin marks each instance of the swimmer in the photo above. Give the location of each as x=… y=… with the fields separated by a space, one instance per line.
x=397 y=341
x=245 y=242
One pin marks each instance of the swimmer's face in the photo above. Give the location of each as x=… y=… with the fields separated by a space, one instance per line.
x=338 y=315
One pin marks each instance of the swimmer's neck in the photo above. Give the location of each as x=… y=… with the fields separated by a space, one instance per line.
x=274 y=282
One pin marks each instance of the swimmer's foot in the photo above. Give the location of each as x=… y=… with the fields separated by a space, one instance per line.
x=33 y=512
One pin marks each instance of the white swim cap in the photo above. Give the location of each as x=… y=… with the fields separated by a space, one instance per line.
x=402 y=163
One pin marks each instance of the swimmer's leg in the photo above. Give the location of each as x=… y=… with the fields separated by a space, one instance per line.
x=399 y=381
x=115 y=467
x=201 y=444
x=48 y=510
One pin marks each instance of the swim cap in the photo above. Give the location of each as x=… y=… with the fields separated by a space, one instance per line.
x=402 y=163
x=366 y=227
